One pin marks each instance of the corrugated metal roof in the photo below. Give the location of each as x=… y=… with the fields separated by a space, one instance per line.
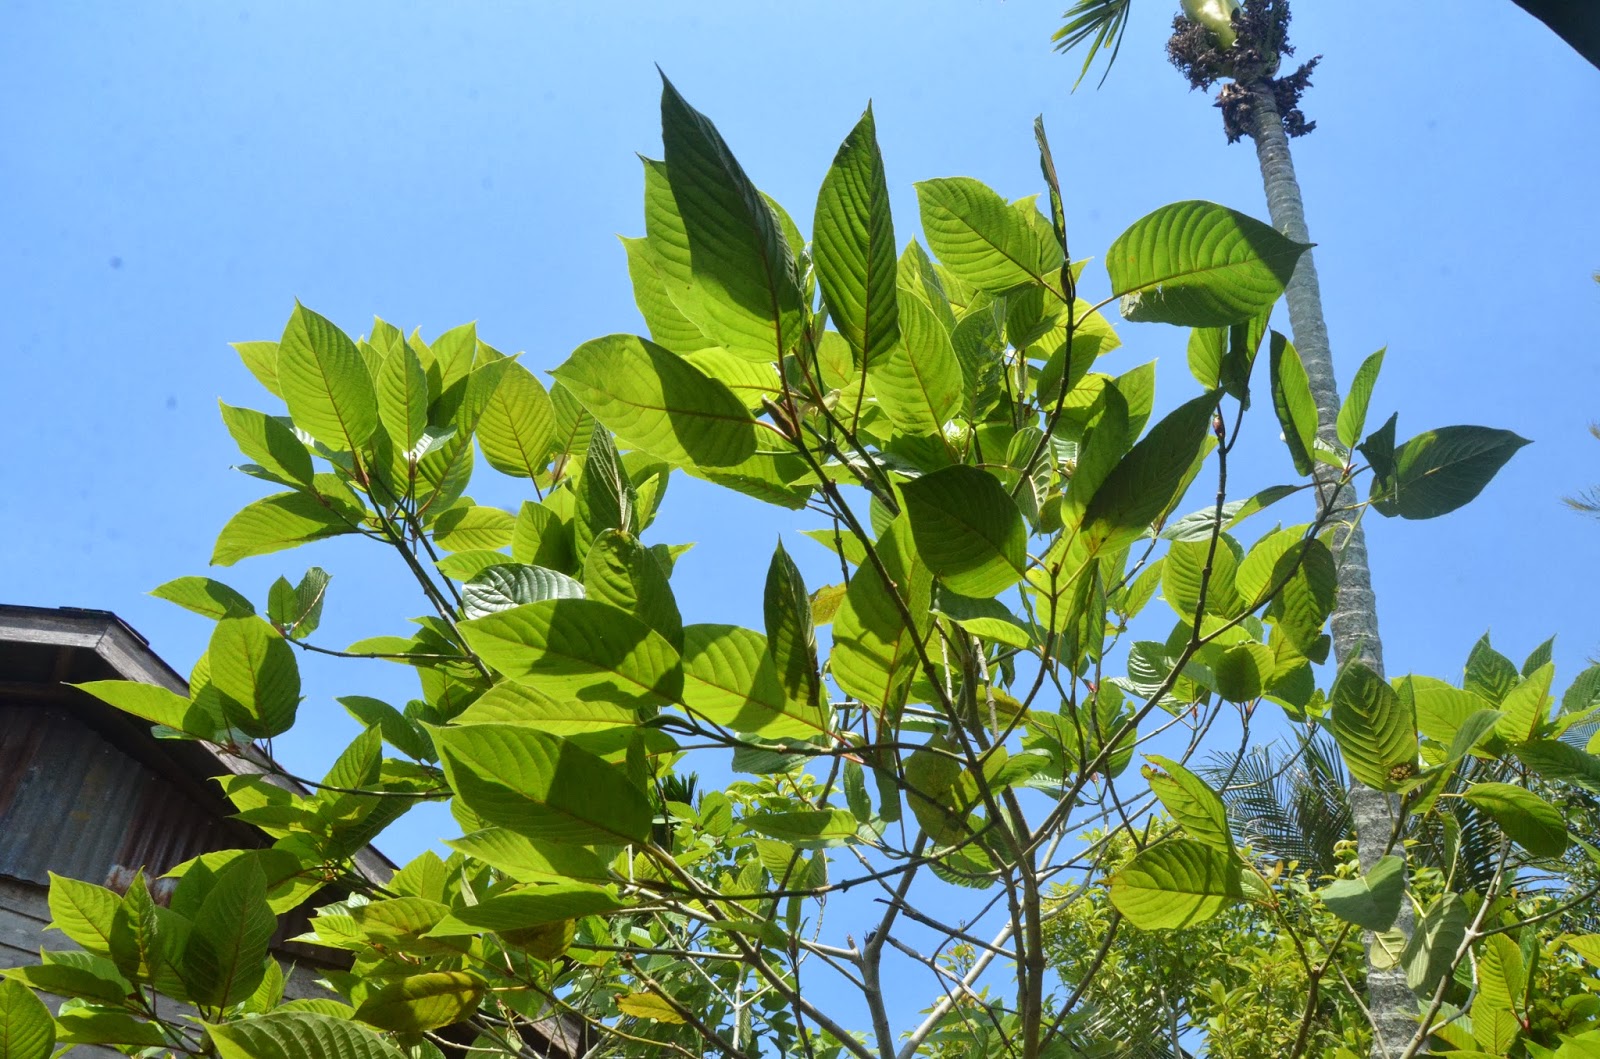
x=73 y=804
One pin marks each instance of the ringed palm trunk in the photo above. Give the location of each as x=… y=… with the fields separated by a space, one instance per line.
x=1355 y=616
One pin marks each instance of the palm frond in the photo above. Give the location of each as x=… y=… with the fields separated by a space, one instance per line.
x=1289 y=805
x=1100 y=22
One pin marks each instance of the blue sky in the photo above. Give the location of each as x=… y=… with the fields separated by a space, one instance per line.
x=176 y=174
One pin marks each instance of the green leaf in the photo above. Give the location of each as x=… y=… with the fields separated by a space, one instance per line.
x=1434 y=943
x=512 y=703
x=254 y=672
x=668 y=325
x=26 y=1029
x=223 y=961
x=605 y=498
x=541 y=538
x=1191 y=802
x=1378 y=448
x=83 y=912
x=273 y=523
x=1197 y=264
x=517 y=428
x=655 y=400
x=1372 y=901
x=325 y=383
x=1150 y=479
x=1526 y=707
x=206 y=597
x=732 y=679
x=403 y=398
x=541 y=785
x=1440 y=470
x=1176 y=883
x=649 y=1006
x=579 y=647
x=853 y=245
x=296 y=610
x=149 y=701
x=526 y=860
x=874 y=652
x=791 y=633
x=919 y=381
x=983 y=241
x=422 y=1002
x=1501 y=992
x=270 y=444
x=750 y=297
x=1527 y=819
x=1375 y=728
x=1555 y=760
x=1353 y=414
x=261 y=358
x=1292 y=400
x=470 y=527
x=622 y=572
x=807 y=828
x=298 y=1035
x=531 y=907
x=1489 y=674
x=508 y=585
x=90 y=1026
x=967 y=529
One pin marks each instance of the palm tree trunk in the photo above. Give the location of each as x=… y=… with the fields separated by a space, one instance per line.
x=1355 y=615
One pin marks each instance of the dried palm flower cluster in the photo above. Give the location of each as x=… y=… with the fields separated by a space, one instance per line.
x=1252 y=61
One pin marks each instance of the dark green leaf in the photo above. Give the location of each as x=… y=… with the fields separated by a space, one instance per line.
x=853 y=245
x=299 y=1035
x=967 y=529
x=1440 y=470
x=223 y=961
x=1292 y=400
x=791 y=633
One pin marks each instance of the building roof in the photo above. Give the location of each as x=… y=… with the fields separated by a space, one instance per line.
x=149 y=802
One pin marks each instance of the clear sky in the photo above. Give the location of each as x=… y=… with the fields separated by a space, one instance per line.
x=174 y=175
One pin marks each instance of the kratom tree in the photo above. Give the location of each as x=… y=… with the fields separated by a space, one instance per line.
x=938 y=743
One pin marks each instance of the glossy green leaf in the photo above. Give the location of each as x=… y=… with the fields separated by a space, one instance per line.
x=541 y=785
x=26 y=1029
x=1374 y=727
x=1371 y=901
x=750 y=295
x=1190 y=801
x=403 y=398
x=1176 y=883
x=807 y=828
x=1150 y=479
x=1526 y=706
x=508 y=585
x=1353 y=413
x=83 y=912
x=657 y=401
x=530 y=907
x=621 y=572
x=1440 y=470
x=853 y=245
x=299 y=1035
x=919 y=382
x=579 y=647
x=273 y=523
x=223 y=960
x=528 y=860
x=1292 y=400
x=732 y=679
x=983 y=241
x=254 y=673
x=325 y=382
x=1527 y=819
x=1197 y=264
x=296 y=610
x=270 y=444
x=422 y=1002
x=967 y=529
x=517 y=428
x=668 y=325
x=1435 y=940
x=206 y=597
